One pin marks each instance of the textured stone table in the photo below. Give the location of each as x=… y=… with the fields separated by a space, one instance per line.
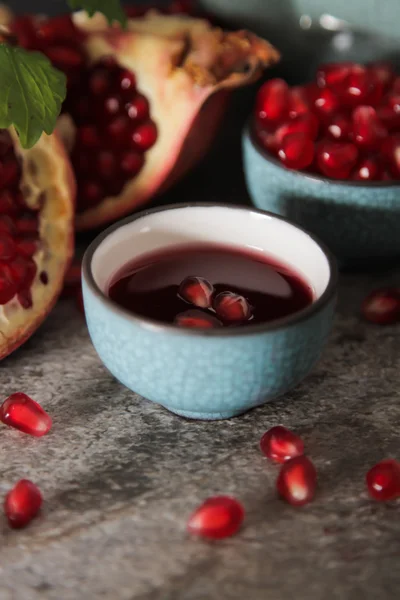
x=120 y=475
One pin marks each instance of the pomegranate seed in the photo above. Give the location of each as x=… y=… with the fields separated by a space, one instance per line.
x=25 y=299
x=391 y=151
x=296 y=151
x=357 y=86
x=382 y=306
x=273 y=100
x=336 y=159
x=6 y=203
x=88 y=136
x=22 y=504
x=9 y=175
x=106 y=164
x=297 y=481
x=382 y=72
x=333 y=74
x=217 y=518
x=8 y=289
x=299 y=102
x=280 y=444
x=7 y=247
x=326 y=102
x=23 y=272
x=27 y=247
x=126 y=81
x=111 y=107
x=389 y=119
x=138 y=109
x=24 y=28
x=64 y=57
x=6 y=225
x=197 y=319
x=132 y=163
x=232 y=307
x=91 y=193
x=266 y=139
x=340 y=128
x=82 y=109
x=393 y=102
x=118 y=130
x=99 y=82
x=383 y=480
x=367 y=129
x=368 y=169
x=27 y=225
x=197 y=291
x=145 y=136
x=307 y=124
x=26 y=415
x=56 y=29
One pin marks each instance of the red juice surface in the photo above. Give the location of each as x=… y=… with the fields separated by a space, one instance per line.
x=151 y=286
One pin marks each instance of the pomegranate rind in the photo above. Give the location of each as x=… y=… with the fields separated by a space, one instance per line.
x=48 y=182
x=179 y=63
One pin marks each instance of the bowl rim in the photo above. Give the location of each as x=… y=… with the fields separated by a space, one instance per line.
x=249 y=132
x=326 y=297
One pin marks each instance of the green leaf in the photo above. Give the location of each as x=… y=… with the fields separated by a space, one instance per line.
x=111 y=9
x=32 y=92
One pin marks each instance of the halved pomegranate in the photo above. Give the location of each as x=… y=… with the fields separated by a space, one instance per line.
x=139 y=112
x=37 y=191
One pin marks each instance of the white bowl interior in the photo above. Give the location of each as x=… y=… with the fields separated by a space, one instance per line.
x=234 y=227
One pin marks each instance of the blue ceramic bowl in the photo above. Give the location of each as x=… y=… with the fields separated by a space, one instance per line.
x=207 y=374
x=359 y=222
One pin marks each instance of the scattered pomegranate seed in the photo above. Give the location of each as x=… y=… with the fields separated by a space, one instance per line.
x=217 y=518
x=280 y=444
x=197 y=319
x=383 y=480
x=26 y=415
x=336 y=159
x=232 y=307
x=197 y=291
x=297 y=481
x=273 y=100
x=382 y=307
x=368 y=131
x=296 y=151
x=22 y=504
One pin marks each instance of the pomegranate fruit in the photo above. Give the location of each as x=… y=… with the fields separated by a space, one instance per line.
x=344 y=125
x=37 y=191
x=139 y=112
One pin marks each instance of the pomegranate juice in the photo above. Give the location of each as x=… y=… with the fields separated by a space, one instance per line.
x=209 y=286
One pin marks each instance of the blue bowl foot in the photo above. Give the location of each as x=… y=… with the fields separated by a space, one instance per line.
x=199 y=416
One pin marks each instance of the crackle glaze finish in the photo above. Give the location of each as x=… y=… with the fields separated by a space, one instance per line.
x=204 y=377
x=356 y=222
x=204 y=374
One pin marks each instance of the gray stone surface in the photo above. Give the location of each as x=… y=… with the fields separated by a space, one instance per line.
x=120 y=475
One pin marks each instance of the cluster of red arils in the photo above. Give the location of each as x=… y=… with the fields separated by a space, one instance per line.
x=344 y=125
x=222 y=516
x=212 y=310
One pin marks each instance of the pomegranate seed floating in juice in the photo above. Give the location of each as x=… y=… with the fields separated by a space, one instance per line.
x=22 y=504
x=280 y=444
x=217 y=518
x=383 y=480
x=208 y=286
x=348 y=119
x=26 y=415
